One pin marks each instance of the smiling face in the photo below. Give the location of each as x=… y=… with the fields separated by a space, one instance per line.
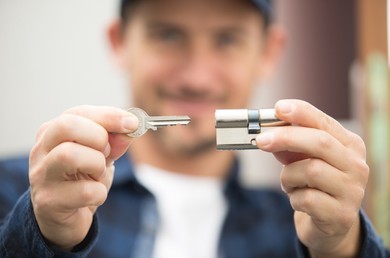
x=188 y=57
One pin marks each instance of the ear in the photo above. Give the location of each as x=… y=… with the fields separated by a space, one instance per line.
x=274 y=45
x=115 y=38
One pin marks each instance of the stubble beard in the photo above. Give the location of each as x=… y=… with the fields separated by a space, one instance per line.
x=174 y=145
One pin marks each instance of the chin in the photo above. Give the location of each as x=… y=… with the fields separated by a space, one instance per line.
x=186 y=141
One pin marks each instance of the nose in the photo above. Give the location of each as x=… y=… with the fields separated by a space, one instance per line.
x=199 y=70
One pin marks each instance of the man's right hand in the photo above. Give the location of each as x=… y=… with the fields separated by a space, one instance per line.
x=71 y=169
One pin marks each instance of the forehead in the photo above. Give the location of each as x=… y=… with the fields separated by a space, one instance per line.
x=200 y=12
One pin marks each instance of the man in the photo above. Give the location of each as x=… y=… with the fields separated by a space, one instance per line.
x=173 y=194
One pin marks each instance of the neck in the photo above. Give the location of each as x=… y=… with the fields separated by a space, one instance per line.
x=210 y=163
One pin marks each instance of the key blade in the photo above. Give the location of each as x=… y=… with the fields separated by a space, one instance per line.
x=155 y=122
x=146 y=122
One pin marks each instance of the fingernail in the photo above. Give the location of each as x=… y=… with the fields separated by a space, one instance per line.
x=284 y=107
x=130 y=123
x=107 y=150
x=264 y=139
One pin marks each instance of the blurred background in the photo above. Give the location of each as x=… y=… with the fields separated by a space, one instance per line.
x=54 y=55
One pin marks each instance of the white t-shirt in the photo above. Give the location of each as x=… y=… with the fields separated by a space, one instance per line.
x=191 y=211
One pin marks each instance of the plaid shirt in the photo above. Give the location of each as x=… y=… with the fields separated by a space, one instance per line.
x=259 y=223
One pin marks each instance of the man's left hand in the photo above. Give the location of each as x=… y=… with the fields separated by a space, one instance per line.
x=324 y=175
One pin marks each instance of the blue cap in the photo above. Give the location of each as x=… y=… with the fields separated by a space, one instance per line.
x=265 y=7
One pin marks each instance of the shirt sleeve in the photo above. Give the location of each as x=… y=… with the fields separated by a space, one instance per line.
x=20 y=235
x=372 y=245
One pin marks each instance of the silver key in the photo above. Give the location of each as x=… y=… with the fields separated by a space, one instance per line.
x=146 y=122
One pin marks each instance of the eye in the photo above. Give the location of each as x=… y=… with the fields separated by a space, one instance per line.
x=169 y=35
x=226 y=39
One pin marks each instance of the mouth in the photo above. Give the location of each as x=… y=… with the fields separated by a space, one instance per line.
x=193 y=105
x=193 y=108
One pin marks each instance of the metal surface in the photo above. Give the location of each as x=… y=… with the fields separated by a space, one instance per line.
x=236 y=129
x=146 y=122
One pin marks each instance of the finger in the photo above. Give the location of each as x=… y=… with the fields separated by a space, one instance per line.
x=73 y=128
x=119 y=144
x=37 y=152
x=114 y=120
x=317 y=204
x=314 y=173
x=69 y=160
x=70 y=195
x=286 y=157
x=312 y=142
x=109 y=176
x=304 y=114
x=41 y=130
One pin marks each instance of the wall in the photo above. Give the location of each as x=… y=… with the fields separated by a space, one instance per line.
x=54 y=56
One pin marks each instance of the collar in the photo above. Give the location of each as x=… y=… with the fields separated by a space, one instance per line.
x=236 y=195
x=124 y=173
